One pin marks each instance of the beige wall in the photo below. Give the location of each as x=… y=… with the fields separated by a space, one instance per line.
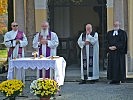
x=19 y=14
x=109 y=18
x=40 y=15
x=110 y=14
x=130 y=28
x=130 y=37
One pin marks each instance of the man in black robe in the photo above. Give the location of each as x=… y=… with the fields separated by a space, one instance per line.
x=117 y=48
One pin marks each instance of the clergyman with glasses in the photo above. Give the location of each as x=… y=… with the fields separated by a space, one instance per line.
x=15 y=40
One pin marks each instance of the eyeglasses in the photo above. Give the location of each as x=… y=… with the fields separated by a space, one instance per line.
x=14 y=25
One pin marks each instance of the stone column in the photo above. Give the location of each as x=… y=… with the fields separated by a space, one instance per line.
x=19 y=15
x=126 y=15
x=123 y=12
x=119 y=14
x=130 y=35
x=30 y=23
x=109 y=14
x=40 y=13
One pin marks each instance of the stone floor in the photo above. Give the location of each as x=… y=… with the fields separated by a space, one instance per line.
x=71 y=90
x=98 y=91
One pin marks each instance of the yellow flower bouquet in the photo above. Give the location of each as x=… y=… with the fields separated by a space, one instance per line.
x=11 y=88
x=44 y=87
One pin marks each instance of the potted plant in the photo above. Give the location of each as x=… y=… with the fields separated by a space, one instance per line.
x=11 y=88
x=44 y=88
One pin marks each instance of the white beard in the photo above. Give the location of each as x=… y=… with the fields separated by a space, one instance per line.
x=44 y=32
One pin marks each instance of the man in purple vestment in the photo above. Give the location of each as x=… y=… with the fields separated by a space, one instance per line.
x=45 y=42
x=15 y=40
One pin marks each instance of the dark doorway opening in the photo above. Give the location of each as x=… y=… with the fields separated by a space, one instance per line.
x=68 y=19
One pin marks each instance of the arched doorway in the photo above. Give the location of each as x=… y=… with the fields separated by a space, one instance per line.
x=68 y=18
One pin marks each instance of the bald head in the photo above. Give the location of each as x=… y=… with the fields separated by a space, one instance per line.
x=88 y=28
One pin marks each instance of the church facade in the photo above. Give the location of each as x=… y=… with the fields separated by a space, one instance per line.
x=68 y=18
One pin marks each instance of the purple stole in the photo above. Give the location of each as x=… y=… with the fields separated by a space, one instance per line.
x=19 y=36
x=47 y=73
x=85 y=57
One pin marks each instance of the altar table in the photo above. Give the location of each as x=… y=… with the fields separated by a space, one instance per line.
x=58 y=64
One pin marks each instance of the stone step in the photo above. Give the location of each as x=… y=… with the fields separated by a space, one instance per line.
x=67 y=79
x=72 y=74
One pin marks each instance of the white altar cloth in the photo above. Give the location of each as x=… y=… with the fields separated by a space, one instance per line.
x=58 y=64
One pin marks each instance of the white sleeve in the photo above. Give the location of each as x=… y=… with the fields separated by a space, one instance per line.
x=54 y=42
x=23 y=42
x=35 y=42
x=80 y=42
x=92 y=39
x=6 y=40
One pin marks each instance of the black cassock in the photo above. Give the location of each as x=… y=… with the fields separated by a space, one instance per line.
x=116 y=59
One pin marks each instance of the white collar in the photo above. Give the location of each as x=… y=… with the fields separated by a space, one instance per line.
x=115 y=33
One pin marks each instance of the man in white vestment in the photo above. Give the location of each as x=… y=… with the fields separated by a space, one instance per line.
x=45 y=42
x=89 y=44
x=15 y=40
